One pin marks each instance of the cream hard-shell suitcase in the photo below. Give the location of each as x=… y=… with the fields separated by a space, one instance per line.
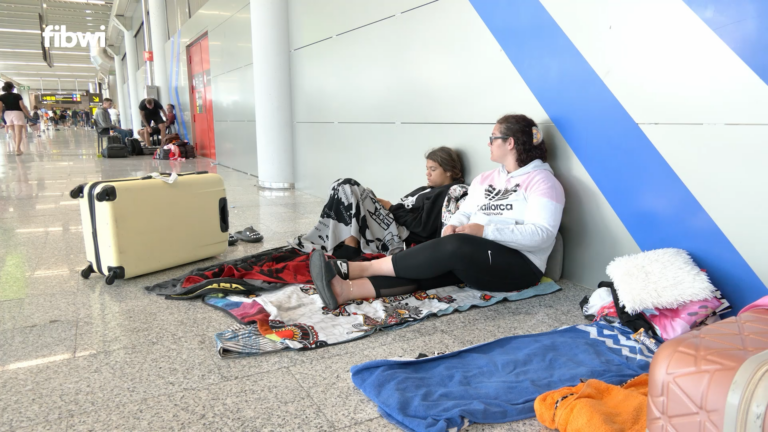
x=130 y=225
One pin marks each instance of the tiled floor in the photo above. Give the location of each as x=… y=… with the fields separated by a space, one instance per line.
x=80 y=355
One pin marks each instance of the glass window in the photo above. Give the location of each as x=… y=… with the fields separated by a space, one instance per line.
x=177 y=13
x=140 y=47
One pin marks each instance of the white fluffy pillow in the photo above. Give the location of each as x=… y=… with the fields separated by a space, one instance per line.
x=661 y=278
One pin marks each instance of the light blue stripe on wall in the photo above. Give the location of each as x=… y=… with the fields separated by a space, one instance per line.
x=742 y=25
x=650 y=199
x=176 y=65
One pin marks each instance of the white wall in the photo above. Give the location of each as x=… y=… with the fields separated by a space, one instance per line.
x=435 y=76
x=231 y=56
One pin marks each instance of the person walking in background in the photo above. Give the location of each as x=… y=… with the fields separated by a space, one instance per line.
x=34 y=121
x=64 y=118
x=88 y=122
x=75 y=118
x=14 y=112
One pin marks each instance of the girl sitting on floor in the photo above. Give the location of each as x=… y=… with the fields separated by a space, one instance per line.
x=499 y=240
x=355 y=221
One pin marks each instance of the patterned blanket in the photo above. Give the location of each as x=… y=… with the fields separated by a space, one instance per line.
x=293 y=317
x=268 y=295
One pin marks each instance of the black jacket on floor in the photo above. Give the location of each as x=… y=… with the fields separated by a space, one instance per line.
x=424 y=218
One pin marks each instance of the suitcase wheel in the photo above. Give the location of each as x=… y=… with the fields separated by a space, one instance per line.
x=111 y=278
x=86 y=272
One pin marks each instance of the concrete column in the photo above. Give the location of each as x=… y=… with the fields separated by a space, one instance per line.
x=133 y=90
x=27 y=101
x=272 y=93
x=159 y=34
x=123 y=103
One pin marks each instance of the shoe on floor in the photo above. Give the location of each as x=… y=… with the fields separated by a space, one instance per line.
x=249 y=235
x=233 y=240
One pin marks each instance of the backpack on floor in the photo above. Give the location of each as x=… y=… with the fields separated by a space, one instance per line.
x=115 y=151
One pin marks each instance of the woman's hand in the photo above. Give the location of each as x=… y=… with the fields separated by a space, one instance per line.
x=474 y=229
x=449 y=229
x=384 y=203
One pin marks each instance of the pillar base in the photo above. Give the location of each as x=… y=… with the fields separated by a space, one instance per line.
x=276 y=185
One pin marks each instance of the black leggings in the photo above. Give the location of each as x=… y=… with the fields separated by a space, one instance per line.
x=458 y=258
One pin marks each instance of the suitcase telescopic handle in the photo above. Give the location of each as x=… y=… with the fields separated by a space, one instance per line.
x=147 y=177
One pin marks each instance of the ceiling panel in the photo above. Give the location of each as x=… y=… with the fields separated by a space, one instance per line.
x=27 y=68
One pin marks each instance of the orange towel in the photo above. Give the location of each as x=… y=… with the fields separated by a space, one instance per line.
x=595 y=406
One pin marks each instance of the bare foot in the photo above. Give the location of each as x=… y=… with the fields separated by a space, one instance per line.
x=340 y=288
x=19 y=153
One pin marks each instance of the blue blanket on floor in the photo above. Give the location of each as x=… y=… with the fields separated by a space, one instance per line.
x=498 y=381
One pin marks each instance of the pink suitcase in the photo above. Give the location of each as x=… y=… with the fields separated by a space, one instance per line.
x=713 y=379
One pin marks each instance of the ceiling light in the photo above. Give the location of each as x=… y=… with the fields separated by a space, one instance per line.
x=19 y=31
x=49 y=72
x=19 y=50
x=88 y=18
x=43 y=64
x=87 y=11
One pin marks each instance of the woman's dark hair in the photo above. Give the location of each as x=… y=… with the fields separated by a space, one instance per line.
x=172 y=107
x=449 y=161
x=8 y=87
x=35 y=107
x=520 y=128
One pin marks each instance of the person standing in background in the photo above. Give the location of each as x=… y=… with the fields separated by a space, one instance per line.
x=34 y=121
x=114 y=115
x=171 y=118
x=150 y=110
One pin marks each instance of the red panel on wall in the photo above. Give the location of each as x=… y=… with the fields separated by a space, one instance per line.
x=201 y=98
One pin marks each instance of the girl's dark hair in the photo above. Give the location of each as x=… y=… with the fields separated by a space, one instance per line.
x=520 y=128
x=8 y=87
x=35 y=107
x=449 y=160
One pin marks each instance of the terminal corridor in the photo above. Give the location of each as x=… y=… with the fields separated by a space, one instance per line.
x=79 y=355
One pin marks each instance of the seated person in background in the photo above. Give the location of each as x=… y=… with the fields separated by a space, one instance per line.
x=355 y=221
x=499 y=240
x=104 y=124
x=171 y=118
x=150 y=110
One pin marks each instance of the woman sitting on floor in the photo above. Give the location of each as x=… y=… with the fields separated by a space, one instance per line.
x=355 y=221
x=499 y=240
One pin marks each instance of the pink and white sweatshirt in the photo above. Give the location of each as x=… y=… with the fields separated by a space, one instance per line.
x=521 y=210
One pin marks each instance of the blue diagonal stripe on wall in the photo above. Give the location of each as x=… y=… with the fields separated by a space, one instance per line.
x=654 y=205
x=742 y=25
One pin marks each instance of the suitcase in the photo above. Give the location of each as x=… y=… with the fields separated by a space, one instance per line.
x=713 y=379
x=135 y=146
x=115 y=151
x=119 y=241
x=150 y=150
x=114 y=139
